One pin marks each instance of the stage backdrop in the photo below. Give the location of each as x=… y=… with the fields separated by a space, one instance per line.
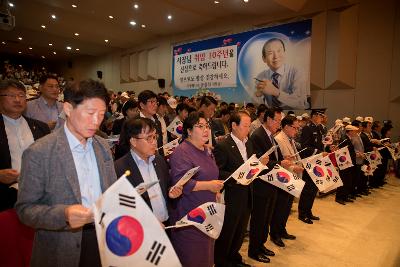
x=230 y=67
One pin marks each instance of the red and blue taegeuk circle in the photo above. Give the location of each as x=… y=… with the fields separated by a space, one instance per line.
x=342 y=158
x=197 y=215
x=124 y=236
x=251 y=173
x=179 y=129
x=318 y=171
x=283 y=177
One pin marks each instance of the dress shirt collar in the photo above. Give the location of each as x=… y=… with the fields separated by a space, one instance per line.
x=143 y=116
x=74 y=142
x=238 y=141
x=44 y=102
x=139 y=160
x=280 y=71
x=270 y=135
x=13 y=121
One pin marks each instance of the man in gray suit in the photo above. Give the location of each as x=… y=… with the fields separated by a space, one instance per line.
x=62 y=176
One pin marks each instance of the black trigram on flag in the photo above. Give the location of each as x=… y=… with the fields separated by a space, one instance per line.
x=270 y=177
x=128 y=201
x=240 y=176
x=211 y=209
x=155 y=253
x=101 y=219
x=290 y=187
x=318 y=162
x=208 y=227
x=308 y=165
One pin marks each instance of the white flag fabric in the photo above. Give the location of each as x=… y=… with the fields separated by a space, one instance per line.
x=248 y=171
x=343 y=158
x=315 y=167
x=189 y=174
x=374 y=158
x=176 y=127
x=128 y=234
x=368 y=169
x=143 y=187
x=170 y=147
x=285 y=180
x=208 y=218
x=333 y=180
x=394 y=150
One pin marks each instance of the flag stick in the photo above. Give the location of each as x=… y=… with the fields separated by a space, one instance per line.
x=299 y=152
x=177 y=226
x=227 y=179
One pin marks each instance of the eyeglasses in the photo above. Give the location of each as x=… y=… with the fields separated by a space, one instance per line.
x=202 y=126
x=14 y=96
x=152 y=101
x=149 y=139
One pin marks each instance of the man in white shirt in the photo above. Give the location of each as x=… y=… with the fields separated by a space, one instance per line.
x=16 y=134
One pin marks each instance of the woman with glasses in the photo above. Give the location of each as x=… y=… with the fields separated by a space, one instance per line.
x=147 y=166
x=193 y=247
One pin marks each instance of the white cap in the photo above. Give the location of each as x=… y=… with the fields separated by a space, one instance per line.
x=125 y=94
x=369 y=119
x=300 y=118
x=359 y=118
x=346 y=120
x=338 y=122
x=305 y=115
x=351 y=128
x=172 y=102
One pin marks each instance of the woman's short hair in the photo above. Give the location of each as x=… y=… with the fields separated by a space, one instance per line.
x=190 y=121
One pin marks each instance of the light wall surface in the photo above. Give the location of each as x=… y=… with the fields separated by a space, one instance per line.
x=355 y=62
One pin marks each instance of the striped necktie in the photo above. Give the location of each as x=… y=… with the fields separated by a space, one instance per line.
x=275 y=82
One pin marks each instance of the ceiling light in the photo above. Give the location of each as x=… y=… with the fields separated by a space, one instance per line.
x=245 y=1
x=74 y=6
x=136 y=6
x=216 y=2
x=20 y=38
x=50 y=44
x=69 y=48
x=19 y=52
x=53 y=16
x=132 y=22
x=54 y=52
x=10 y=4
x=3 y=42
x=43 y=57
x=169 y=17
x=106 y=40
x=30 y=48
x=143 y=26
x=110 y=17
x=43 y=26
x=77 y=49
x=76 y=34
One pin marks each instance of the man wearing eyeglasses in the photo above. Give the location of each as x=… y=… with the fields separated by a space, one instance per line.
x=16 y=134
x=148 y=108
x=46 y=108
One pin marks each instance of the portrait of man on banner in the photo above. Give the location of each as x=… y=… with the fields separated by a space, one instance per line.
x=280 y=84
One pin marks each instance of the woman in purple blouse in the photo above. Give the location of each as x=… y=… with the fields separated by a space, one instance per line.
x=193 y=247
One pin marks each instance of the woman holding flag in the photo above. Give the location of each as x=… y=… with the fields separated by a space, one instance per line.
x=193 y=247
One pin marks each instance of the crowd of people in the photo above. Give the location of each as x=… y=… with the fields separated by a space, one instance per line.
x=55 y=165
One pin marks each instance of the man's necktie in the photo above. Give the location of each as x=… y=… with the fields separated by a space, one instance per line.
x=275 y=82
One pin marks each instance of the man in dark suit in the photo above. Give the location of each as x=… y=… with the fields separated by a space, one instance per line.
x=265 y=194
x=146 y=166
x=62 y=176
x=16 y=134
x=348 y=174
x=311 y=141
x=230 y=154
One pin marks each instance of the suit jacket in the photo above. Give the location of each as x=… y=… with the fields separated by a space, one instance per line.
x=228 y=159
x=48 y=184
x=38 y=129
x=160 y=166
x=311 y=139
x=261 y=143
x=217 y=127
x=346 y=141
x=284 y=144
x=368 y=145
